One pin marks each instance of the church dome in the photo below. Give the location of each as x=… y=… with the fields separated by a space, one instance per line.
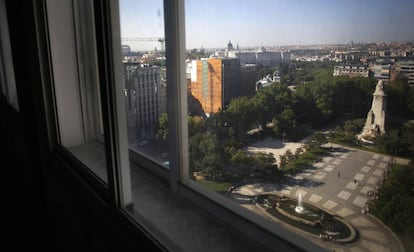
x=230 y=46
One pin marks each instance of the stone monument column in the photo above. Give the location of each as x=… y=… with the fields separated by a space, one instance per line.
x=375 y=123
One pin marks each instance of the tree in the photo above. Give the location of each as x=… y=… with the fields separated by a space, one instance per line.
x=261 y=103
x=162 y=132
x=317 y=139
x=298 y=151
x=205 y=155
x=196 y=124
x=395 y=204
x=242 y=162
x=410 y=100
x=397 y=94
x=289 y=156
x=287 y=119
x=196 y=152
x=353 y=127
x=389 y=142
x=264 y=164
x=276 y=127
x=242 y=115
x=283 y=161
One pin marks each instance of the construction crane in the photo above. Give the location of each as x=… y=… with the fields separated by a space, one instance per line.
x=150 y=39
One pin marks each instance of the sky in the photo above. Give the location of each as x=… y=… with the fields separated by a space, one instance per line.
x=250 y=23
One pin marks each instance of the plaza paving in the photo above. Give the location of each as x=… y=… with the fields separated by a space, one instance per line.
x=275 y=146
x=346 y=195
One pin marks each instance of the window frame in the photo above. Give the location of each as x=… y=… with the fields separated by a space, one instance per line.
x=117 y=193
x=62 y=155
x=217 y=206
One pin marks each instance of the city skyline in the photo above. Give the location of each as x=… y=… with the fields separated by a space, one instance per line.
x=273 y=23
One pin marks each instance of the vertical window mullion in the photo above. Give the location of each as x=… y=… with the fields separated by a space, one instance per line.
x=108 y=31
x=176 y=91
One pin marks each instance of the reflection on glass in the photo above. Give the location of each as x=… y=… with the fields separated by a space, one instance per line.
x=144 y=76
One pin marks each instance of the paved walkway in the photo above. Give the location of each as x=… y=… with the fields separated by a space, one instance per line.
x=275 y=146
x=341 y=184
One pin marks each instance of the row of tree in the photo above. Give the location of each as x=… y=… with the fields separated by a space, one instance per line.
x=314 y=103
x=216 y=142
x=216 y=154
x=395 y=204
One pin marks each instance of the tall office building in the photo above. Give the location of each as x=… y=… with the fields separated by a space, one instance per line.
x=216 y=81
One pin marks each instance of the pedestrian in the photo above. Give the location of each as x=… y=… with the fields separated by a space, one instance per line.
x=339 y=174
x=354 y=181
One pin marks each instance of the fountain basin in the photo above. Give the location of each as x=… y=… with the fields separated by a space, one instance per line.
x=311 y=220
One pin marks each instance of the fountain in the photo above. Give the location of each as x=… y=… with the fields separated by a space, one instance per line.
x=306 y=217
x=299 y=208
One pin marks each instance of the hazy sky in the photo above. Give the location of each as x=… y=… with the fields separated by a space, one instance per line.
x=212 y=23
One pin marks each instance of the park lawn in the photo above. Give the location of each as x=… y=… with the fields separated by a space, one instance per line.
x=217 y=186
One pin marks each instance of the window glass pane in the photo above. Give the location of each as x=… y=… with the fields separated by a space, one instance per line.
x=73 y=50
x=279 y=95
x=144 y=77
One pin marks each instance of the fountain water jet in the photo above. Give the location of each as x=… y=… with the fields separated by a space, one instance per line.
x=299 y=208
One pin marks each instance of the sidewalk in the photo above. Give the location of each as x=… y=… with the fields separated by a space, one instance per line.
x=275 y=146
x=399 y=160
x=345 y=195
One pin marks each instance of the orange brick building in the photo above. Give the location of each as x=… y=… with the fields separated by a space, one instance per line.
x=215 y=82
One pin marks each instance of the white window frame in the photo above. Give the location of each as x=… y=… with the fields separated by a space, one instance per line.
x=227 y=211
x=78 y=106
x=74 y=71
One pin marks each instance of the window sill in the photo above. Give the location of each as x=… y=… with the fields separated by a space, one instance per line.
x=93 y=156
x=178 y=225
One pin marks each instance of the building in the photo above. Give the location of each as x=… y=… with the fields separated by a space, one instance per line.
x=126 y=50
x=248 y=75
x=268 y=80
x=406 y=68
x=351 y=71
x=261 y=57
x=216 y=81
x=381 y=70
x=143 y=97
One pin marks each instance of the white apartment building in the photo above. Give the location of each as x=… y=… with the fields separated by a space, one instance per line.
x=381 y=71
x=143 y=96
x=262 y=57
x=351 y=71
x=406 y=68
